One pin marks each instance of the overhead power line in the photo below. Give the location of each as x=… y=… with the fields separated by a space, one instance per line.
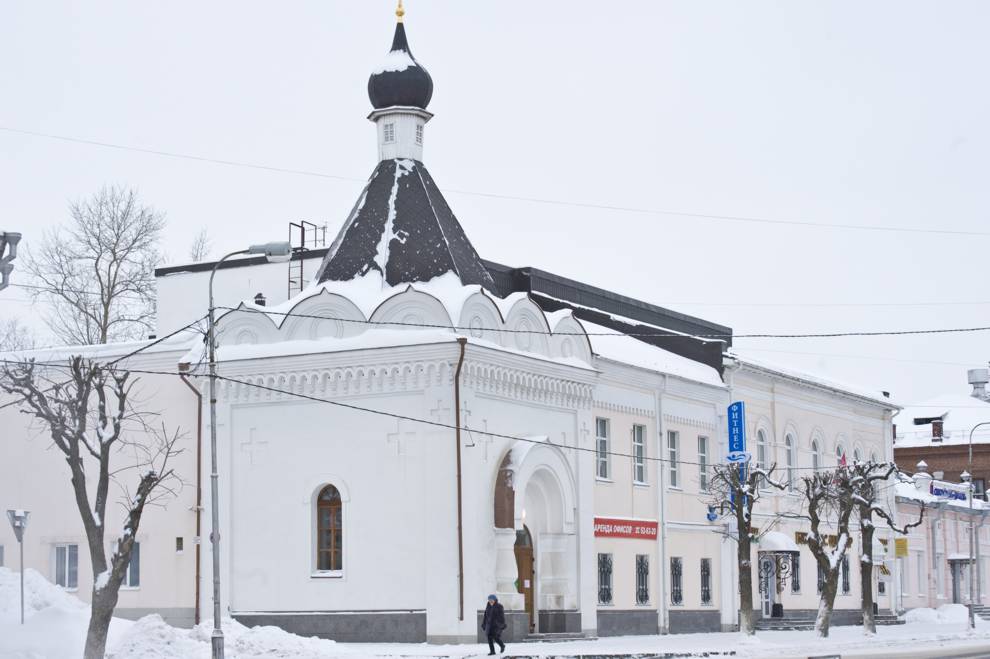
x=749 y=219
x=660 y=333
x=429 y=422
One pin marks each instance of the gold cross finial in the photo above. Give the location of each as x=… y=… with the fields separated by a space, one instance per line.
x=399 y=11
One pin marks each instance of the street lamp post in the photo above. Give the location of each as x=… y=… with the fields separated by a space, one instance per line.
x=275 y=253
x=972 y=530
x=19 y=521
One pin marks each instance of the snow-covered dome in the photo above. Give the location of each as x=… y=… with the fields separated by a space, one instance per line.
x=400 y=80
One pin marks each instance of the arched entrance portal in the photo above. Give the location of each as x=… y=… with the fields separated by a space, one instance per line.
x=535 y=537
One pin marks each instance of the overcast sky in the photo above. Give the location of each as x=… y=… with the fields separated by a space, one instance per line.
x=853 y=113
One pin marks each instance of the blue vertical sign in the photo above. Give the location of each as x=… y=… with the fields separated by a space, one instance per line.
x=737 y=440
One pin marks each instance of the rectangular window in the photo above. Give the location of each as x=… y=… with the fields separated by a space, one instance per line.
x=419 y=134
x=132 y=577
x=706 y=581
x=821 y=579
x=179 y=545
x=601 y=442
x=846 y=586
x=676 y=581
x=703 y=464
x=672 y=460
x=639 y=454
x=604 y=578
x=795 y=573
x=642 y=579
x=67 y=566
x=389 y=133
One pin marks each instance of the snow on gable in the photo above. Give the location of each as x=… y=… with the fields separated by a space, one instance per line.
x=365 y=312
x=609 y=344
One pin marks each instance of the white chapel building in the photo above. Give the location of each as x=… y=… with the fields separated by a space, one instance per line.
x=418 y=427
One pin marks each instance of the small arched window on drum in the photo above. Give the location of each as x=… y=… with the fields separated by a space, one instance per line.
x=329 y=530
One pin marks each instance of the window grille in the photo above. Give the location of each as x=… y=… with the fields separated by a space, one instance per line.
x=821 y=578
x=845 y=575
x=601 y=434
x=703 y=464
x=672 y=441
x=706 y=581
x=676 y=590
x=642 y=579
x=639 y=454
x=795 y=573
x=604 y=578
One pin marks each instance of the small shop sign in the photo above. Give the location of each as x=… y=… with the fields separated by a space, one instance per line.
x=945 y=490
x=610 y=527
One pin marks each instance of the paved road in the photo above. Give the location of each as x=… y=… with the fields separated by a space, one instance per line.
x=978 y=650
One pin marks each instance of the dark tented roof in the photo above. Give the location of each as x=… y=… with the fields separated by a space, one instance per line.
x=402 y=81
x=403 y=228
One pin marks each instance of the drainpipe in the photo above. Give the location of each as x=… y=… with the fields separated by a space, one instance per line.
x=199 y=480
x=462 y=342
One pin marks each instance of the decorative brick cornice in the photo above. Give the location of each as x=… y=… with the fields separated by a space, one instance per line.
x=688 y=421
x=624 y=409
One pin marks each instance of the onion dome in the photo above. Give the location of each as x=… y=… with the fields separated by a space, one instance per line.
x=400 y=80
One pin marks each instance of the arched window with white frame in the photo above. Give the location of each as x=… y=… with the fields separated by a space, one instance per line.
x=329 y=530
x=761 y=450
x=840 y=452
x=857 y=455
x=790 y=451
x=816 y=454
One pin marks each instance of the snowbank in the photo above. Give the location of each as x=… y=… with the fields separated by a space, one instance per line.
x=152 y=638
x=39 y=594
x=55 y=621
x=947 y=614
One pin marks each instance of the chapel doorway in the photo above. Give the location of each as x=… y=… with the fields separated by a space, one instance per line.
x=527 y=573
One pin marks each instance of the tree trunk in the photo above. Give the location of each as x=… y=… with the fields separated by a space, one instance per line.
x=866 y=574
x=104 y=603
x=827 y=603
x=747 y=617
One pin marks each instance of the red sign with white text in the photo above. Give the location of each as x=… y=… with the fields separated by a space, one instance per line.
x=609 y=527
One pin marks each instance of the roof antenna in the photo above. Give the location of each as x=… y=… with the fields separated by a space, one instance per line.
x=400 y=12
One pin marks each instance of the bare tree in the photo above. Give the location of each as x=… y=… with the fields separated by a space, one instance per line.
x=735 y=490
x=201 y=246
x=829 y=499
x=864 y=479
x=15 y=336
x=98 y=272
x=90 y=417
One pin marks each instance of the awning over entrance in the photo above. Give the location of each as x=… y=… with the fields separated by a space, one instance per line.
x=777 y=542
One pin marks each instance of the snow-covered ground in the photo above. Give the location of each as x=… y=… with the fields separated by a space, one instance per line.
x=56 y=626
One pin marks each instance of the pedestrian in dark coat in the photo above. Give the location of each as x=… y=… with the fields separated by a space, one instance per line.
x=493 y=623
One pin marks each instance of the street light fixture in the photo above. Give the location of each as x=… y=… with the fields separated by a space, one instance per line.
x=19 y=521
x=278 y=252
